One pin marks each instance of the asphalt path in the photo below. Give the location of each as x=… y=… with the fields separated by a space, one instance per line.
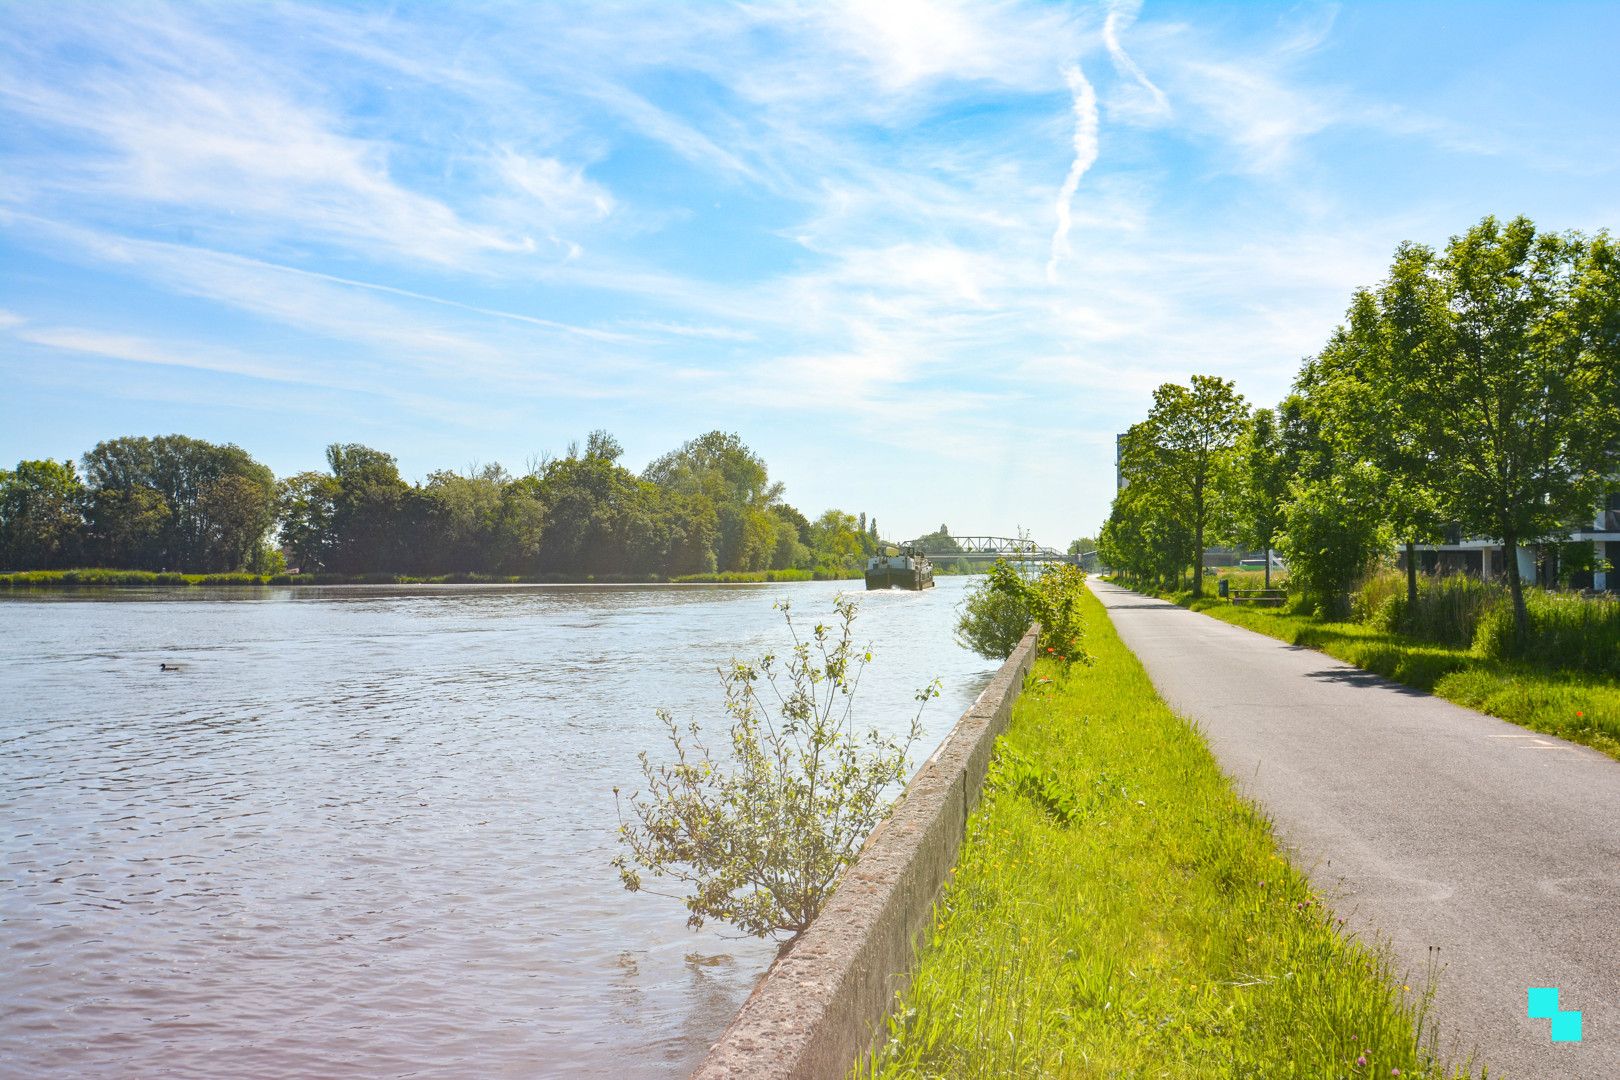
x=1424 y=824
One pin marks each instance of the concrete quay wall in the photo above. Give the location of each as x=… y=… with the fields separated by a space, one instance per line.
x=822 y=1003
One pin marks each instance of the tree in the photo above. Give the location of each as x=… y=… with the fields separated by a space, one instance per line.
x=1523 y=350
x=305 y=510
x=1332 y=533
x=236 y=516
x=149 y=503
x=720 y=467
x=1263 y=477
x=835 y=541
x=1369 y=380
x=368 y=511
x=1185 y=450
x=939 y=542
x=41 y=515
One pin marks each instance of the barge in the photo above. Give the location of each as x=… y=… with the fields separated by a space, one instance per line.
x=899 y=568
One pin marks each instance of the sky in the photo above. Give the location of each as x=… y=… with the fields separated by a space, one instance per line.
x=925 y=259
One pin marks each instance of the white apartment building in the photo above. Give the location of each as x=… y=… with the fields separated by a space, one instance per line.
x=1484 y=557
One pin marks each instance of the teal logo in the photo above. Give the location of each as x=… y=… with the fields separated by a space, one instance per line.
x=1566 y=1023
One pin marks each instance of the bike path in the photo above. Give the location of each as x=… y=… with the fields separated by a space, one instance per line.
x=1423 y=823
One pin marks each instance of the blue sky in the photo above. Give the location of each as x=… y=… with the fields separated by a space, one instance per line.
x=925 y=259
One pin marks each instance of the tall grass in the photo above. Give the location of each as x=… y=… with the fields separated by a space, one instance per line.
x=1117 y=910
x=1565 y=630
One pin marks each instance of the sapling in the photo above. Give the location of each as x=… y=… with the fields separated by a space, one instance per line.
x=759 y=837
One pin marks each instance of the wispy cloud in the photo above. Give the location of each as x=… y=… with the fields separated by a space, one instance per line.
x=1085 y=155
x=792 y=218
x=1120 y=15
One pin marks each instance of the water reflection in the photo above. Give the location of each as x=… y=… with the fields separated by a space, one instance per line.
x=366 y=830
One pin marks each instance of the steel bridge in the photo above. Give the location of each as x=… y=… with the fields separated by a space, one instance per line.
x=991 y=548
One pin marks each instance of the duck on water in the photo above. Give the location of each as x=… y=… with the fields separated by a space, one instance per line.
x=894 y=567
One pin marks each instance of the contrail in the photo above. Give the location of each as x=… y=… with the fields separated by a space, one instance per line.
x=1118 y=13
x=1085 y=153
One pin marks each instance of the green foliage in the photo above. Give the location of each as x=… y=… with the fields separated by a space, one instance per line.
x=731 y=577
x=1565 y=631
x=706 y=508
x=1333 y=536
x=41 y=515
x=760 y=837
x=938 y=543
x=996 y=615
x=1181 y=469
x=1117 y=910
x=1472 y=389
x=992 y=621
x=175 y=502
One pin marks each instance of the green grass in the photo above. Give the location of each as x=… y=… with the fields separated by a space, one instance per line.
x=116 y=579
x=744 y=576
x=1574 y=705
x=1118 y=911
x=128 y=579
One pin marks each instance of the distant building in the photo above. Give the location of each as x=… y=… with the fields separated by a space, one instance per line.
x=1483 y=557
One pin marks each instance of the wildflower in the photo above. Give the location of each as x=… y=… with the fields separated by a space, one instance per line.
x=1579 y=713
x=1050 y=649
x=1394 y=1072
x=1361 y=1062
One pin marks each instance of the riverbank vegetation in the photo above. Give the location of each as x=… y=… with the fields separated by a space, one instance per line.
x=996 y=614
x=1118 y=910
x=1562 y=681
x=1471 y=393
x=707 y=510
x=759 y=836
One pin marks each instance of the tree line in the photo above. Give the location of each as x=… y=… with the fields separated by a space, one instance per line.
x=177 y=503
x=1474 y=391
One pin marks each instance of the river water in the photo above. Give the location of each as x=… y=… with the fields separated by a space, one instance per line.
x=367 y=831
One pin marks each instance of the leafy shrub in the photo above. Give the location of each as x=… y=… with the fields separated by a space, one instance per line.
x=1332 y=537
x=993 y=621
x=997 y=614
x=760 y=839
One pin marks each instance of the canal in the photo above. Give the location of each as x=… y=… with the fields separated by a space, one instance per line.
x=366 y=831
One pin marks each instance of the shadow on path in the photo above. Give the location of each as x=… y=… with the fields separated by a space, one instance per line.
x=1358 y=677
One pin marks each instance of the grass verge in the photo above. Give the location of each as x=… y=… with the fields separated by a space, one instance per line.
x=1578 y=706
x=1117 y=910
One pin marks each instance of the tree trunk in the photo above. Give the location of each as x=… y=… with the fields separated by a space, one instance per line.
x=1411 y=579
x=1510 y=559
x=1198 y=557
x=1268 y=568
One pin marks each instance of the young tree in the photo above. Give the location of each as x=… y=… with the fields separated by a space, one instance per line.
x=760 y=836
x=1263 y=476
x=1185 y=449
x=1523 y=355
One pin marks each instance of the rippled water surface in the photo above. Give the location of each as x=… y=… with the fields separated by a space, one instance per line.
x=366 y=831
